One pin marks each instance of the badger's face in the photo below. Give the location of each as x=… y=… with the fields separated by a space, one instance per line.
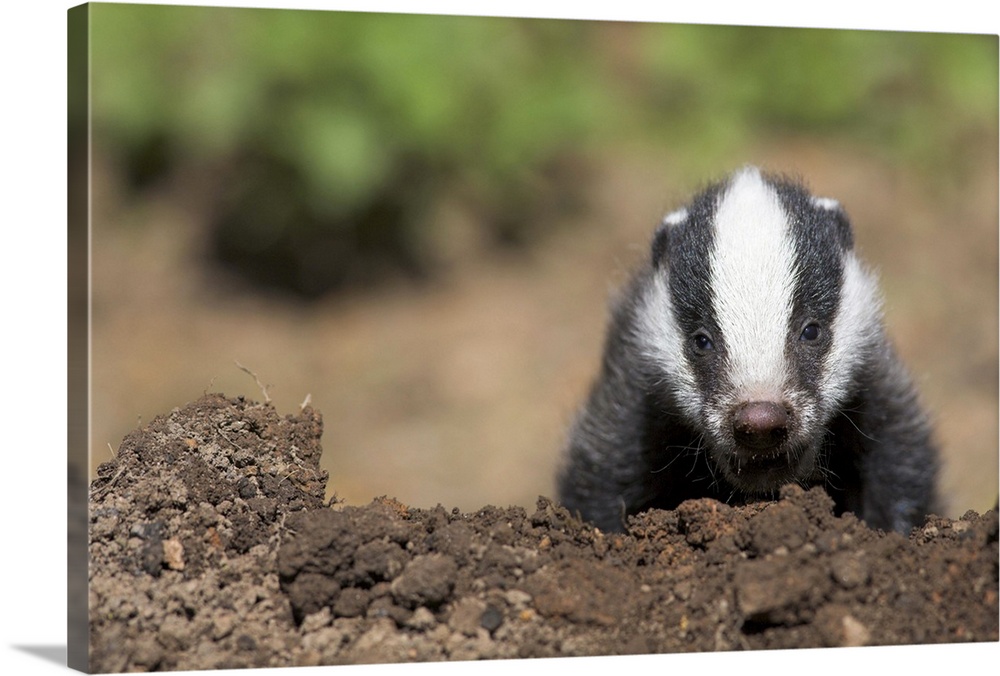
x=758 y=317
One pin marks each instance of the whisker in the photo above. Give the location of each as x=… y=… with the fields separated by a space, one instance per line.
x=683 y=450
x=858 y=428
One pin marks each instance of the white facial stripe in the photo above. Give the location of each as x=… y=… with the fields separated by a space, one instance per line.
x=857 y=324
x=753 y=282
x=662 y=343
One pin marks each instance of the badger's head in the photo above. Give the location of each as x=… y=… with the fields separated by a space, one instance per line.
x=758 y=318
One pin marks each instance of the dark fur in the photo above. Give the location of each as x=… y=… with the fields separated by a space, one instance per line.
x=630 y=449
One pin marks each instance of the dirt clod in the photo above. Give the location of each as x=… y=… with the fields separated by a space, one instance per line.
x=212 y=547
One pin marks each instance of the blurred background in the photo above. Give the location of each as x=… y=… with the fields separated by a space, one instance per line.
x=417 y=221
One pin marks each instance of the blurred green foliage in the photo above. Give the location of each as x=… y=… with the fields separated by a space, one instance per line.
x=333 y=133
x=920 y=98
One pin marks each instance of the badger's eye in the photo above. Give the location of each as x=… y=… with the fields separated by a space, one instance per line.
x=703 y=342
x=810 y=332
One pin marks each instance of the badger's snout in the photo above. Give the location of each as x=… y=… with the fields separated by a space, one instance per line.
x=765 y=444
x=763 y=441
x=760 y=425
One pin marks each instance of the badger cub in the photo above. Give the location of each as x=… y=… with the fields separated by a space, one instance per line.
x=748 y=352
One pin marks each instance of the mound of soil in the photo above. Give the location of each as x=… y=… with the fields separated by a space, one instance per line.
x=211 y=547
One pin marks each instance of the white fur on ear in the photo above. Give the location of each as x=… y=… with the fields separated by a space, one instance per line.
x=675 y=217
x=827 y=203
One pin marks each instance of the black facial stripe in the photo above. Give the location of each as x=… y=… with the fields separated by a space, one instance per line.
x=821 y=237
x=687 y=248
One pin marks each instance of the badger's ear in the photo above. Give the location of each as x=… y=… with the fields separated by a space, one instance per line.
x=662 y=236
x=845 y=234
x=660 y=240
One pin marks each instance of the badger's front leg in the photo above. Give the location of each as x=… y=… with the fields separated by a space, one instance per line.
x=603 y=476
x=899 y=463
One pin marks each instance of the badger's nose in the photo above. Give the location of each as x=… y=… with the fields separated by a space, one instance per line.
x=760 y=424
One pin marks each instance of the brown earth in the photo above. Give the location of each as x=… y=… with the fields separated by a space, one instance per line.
x=212 y=546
